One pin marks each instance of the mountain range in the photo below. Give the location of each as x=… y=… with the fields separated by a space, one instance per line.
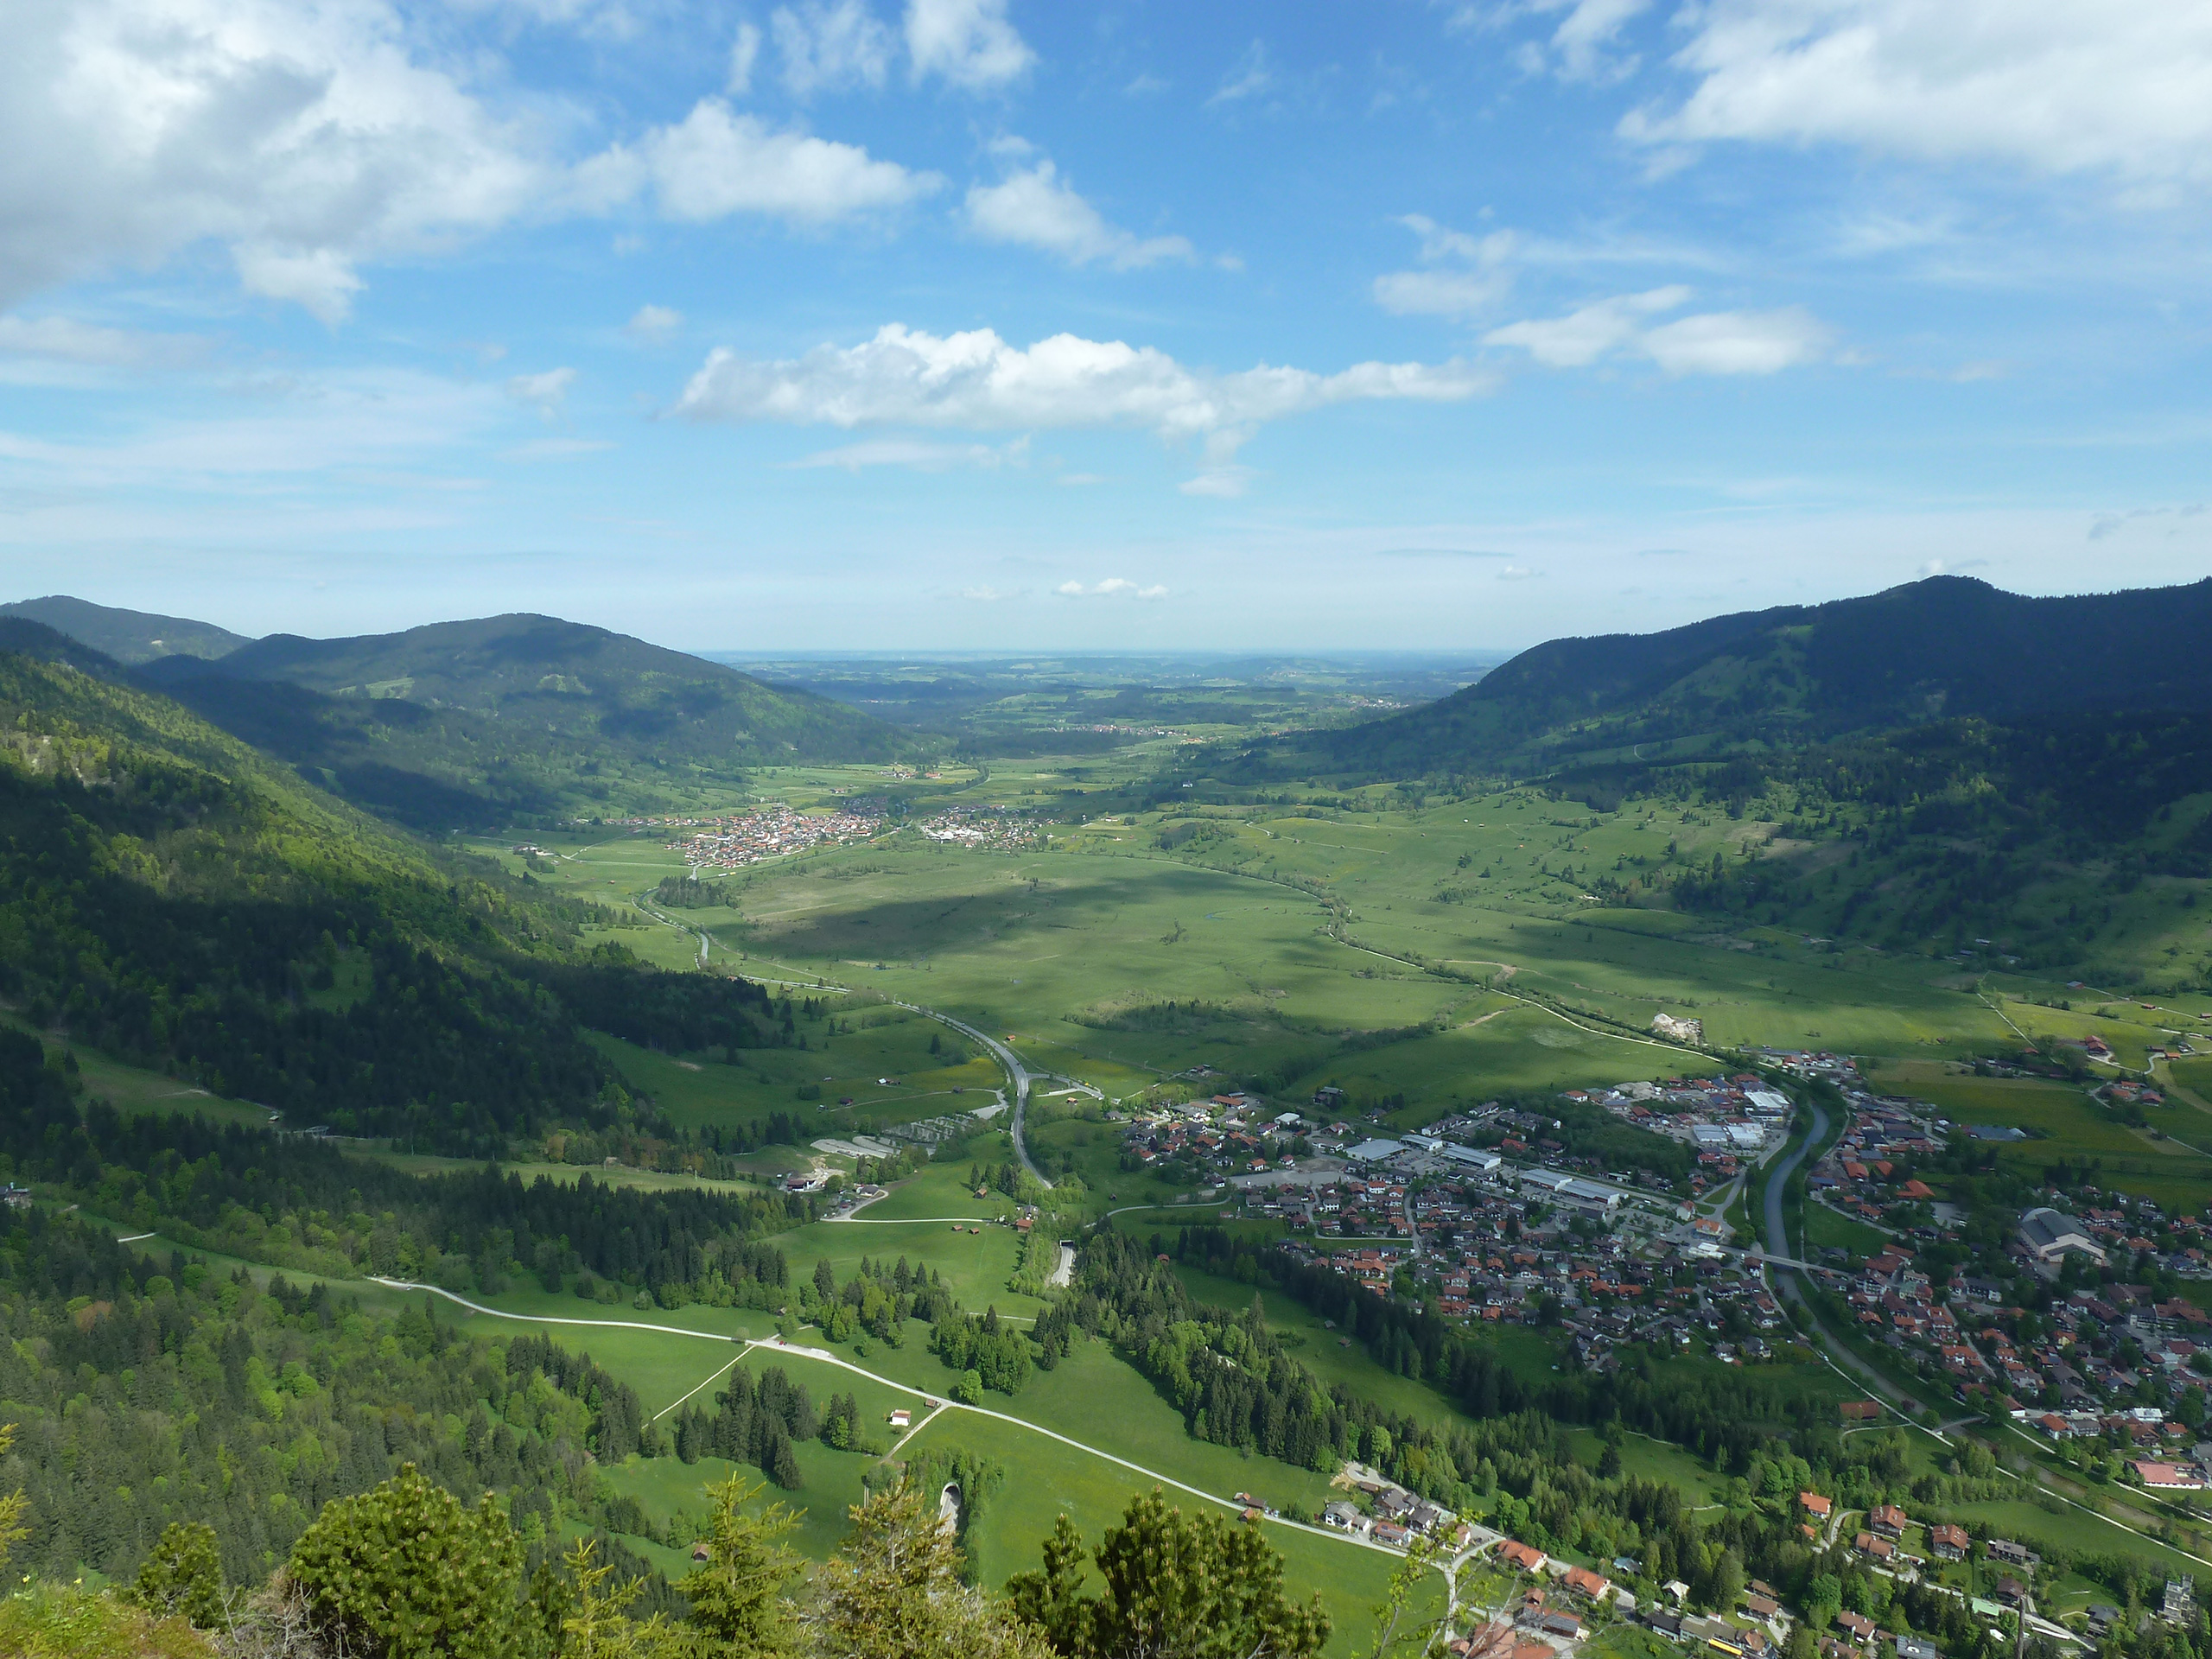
x=498 y=722
x=128 y=636
x=1946 y=647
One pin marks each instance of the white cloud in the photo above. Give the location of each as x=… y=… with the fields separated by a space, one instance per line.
x=1112 y=588
x=1250 y=76
x=1738 y=342
x=65 y=340
x=976 y=381
x=918 y=454
x=716 y=162
x=305 y=138
x=1225 y=482
x=1585 y=45
x=983 y=593
x=278 y=428
x=308 y=140
x=1038 y=208
x=830 y=48
x=1718 y=342
x=1466 y=274
x=319 y=281
x=744 y=54
x=1581 y=337
x=970 y=42
x=2054 y=85
x=544 y=392
x=1518 y=573
x=653 y=323
x=555 y=448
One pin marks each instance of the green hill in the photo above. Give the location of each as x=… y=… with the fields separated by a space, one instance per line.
x=513 y=720
x=1943 y=766
x=1944 y=648
x=127 y=636
x=169 y=895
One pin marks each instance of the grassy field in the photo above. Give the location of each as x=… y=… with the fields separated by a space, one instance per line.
x=2066 y=1124
x=133 y=1090
x=1825 y=1230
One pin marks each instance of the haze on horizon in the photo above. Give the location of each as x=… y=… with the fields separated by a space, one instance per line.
x=982 y=325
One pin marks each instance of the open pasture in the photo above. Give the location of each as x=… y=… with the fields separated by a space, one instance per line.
x=1045 y=1480
x=2067 y=1124
x=975 y=1265
x=711 y=1090
x=133 y=1090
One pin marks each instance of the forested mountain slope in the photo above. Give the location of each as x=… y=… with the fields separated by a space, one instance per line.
x=169 y=894
x=582 y=683
x=127 y=636
x=1944 y=648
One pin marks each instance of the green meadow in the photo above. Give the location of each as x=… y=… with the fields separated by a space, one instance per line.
x=2067 y=1124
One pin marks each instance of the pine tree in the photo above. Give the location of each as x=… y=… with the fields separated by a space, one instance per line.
x=737 y=1599
x=1199 y=1588
x=893 y=1592
x=183 y=1574
x=405 y=1569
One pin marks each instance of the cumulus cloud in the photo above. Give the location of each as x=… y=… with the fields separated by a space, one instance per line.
x=1038 y=208
x=319 y=281
x=544 y=392
x=1112 y=588
x=653 y=323
x=716 y=162
x=969 y=42
x=978 y=382
x=308 y=140
x=830 y=48
x=2054 y=85
x=1718 y=342
x=305 y=138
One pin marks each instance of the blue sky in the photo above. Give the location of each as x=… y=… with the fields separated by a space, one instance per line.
x=962 y=324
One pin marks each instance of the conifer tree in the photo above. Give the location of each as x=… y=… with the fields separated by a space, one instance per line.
x=737 y=1598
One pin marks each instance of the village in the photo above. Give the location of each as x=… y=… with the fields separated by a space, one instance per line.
x=1513 y=1230
x=982 y=827
x=773 y=831
x=1529 y=1603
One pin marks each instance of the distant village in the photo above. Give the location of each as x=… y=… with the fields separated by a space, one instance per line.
x=773 y=831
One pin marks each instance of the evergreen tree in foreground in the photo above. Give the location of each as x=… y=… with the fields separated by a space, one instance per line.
x=1196 y=1588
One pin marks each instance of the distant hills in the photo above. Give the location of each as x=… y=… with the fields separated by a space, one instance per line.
x=1943 y=648
x=501 y=722
x=129 y=637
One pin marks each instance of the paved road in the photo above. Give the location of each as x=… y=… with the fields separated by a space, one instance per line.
x=1017 y=1073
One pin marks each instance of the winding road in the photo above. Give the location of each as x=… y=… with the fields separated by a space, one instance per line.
x=1017 y=1074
